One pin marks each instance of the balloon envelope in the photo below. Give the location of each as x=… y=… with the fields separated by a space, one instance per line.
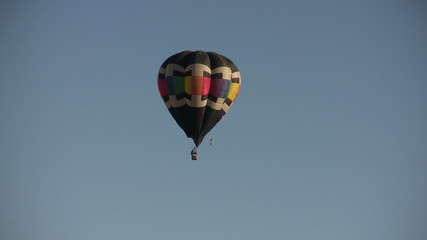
x=198 y=88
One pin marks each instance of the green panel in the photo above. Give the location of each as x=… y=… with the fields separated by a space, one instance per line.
x=178 y=84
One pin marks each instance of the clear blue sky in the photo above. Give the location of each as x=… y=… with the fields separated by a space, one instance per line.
x=327 y=140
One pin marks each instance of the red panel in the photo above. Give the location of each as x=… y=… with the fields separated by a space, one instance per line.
x=161 y=82
x=206 y=85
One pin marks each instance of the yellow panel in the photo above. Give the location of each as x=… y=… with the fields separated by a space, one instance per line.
x=233 y=91
x=188 y=85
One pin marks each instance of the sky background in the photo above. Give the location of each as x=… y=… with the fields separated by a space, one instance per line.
x=327 y=139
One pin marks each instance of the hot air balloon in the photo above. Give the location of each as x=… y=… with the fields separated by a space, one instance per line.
x=198 y=88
